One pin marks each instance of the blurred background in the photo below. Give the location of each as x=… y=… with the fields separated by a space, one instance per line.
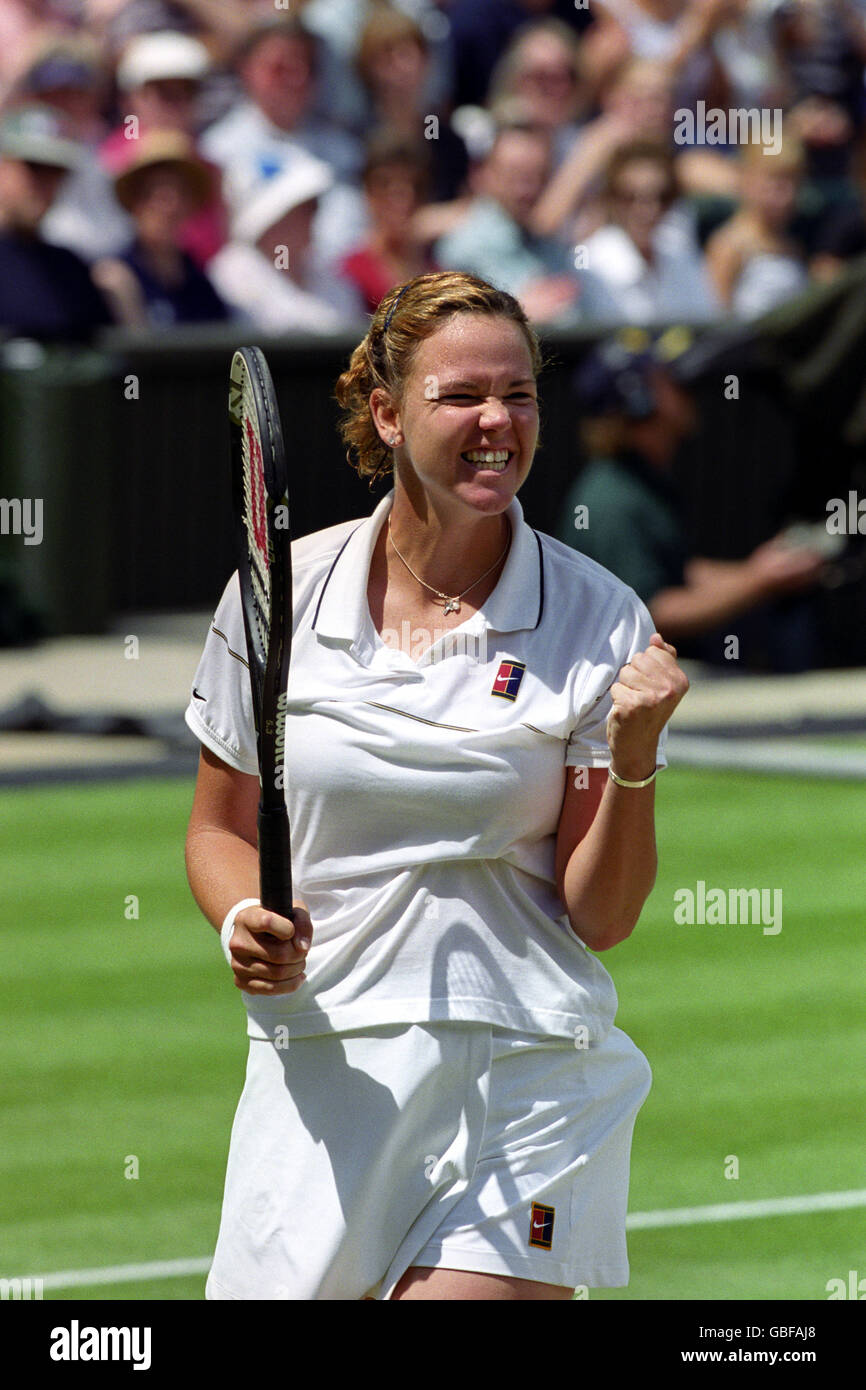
x=675 y=193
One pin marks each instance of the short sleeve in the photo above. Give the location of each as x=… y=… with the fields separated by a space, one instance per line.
x=220 y=710
x=587 y=744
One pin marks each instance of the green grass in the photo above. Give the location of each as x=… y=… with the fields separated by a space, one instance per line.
x=848 y=743
x=756 y=1041
x=124 y=1040
x=124 y=1045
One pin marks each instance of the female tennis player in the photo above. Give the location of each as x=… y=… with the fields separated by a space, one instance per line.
x=437 y=1104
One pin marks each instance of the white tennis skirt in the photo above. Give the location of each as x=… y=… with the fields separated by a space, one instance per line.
x=457 y=1145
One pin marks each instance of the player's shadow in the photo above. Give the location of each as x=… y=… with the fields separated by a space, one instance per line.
x=380 y=1156
x=464 y=941
x=388 y=1174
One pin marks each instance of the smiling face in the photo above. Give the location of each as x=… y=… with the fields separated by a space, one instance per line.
x=467 y=420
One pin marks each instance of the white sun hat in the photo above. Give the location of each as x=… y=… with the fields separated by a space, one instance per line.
x=162 y=56
x=258 y=204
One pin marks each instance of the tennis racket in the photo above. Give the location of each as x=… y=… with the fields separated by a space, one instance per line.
x=261 y=505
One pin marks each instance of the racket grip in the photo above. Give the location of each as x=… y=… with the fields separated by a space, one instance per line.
x=275 y=862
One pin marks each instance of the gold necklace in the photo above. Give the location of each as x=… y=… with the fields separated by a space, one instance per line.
x=452 y=602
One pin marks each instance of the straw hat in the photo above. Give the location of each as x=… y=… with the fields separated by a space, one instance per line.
x=163 y=147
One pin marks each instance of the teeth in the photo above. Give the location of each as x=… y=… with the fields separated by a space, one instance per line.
x=497 y=459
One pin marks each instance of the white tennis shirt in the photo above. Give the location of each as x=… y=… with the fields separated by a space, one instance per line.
x=424 y=794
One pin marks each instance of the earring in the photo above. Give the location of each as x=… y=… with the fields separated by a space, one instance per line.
x=392 y=440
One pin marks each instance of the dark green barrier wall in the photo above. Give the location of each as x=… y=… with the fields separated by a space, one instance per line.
x=56 y=441
x=130 y=452
x=170 y=460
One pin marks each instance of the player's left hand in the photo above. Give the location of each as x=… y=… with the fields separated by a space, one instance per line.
x=645 y=695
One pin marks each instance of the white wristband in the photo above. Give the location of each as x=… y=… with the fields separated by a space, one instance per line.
x=228 y=925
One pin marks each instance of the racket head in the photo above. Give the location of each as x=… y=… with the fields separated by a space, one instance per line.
x=263 y=536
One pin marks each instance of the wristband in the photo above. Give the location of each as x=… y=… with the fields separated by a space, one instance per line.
x=621 y=782
x=228 y=925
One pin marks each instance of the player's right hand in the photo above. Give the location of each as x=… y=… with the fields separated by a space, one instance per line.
x=269 y=952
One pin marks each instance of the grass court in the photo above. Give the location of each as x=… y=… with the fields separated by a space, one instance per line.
x=124 y=1045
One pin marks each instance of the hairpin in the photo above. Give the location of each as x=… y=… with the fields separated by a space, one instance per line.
x=394 y=306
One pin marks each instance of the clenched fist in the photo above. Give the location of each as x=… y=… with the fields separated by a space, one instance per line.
x=645 y=695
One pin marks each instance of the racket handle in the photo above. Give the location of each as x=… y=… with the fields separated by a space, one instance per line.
x=275 y=863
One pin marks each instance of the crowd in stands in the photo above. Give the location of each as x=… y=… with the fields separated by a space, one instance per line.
x=167 y=162
x=619 y=164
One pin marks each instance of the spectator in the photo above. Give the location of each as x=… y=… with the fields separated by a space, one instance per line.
x=651 y=269
x=278 y=67
x=679 y=33
x=45 y=291
x=822 y=50
x=66 y=74
x=336 y=26
x=155 y=283
x=276 y=121
x=743 y=45
x=220 y=25
x=481 y=31
x=393 y=64
x=636 y=104
x=753 y=260
x=24 y=23
x=494 y=239
x=634 y=416
x=159 y=76
x=265 y=272
x=396 y=177
x=540 y=73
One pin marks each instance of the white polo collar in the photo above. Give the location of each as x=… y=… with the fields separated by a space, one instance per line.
x=343 y=613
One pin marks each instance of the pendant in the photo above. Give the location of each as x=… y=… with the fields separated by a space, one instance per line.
x=452 y=606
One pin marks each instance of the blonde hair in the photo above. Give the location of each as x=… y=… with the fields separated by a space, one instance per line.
x=406 y=316
x=384 y=28
x=503 y=79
